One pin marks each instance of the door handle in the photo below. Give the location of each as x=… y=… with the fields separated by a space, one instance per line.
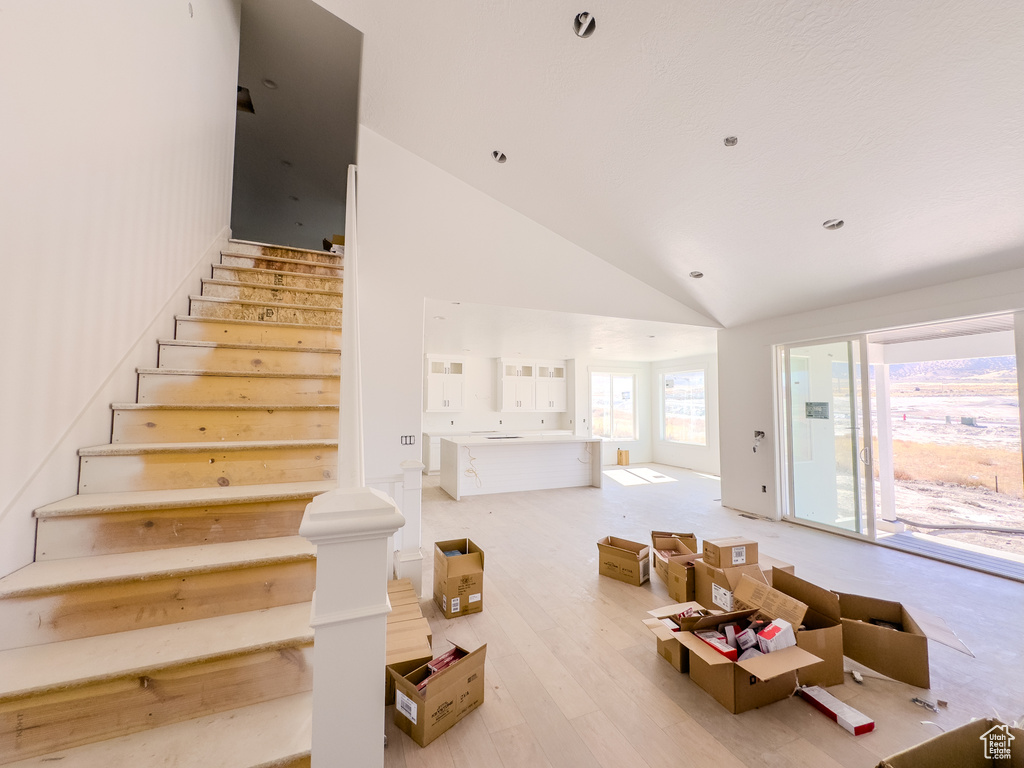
x=864 y=458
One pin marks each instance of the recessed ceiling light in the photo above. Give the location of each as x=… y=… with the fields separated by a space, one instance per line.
x=293 y=198
x=833 y=224
x=286 y=163
x=456 y=303
x=268 y=83
x=439 y=317
x=298 y=224
x=650 y=337
x=730 y=141
x=499 y=156
x=696 y=275
x=584 y=24
x=598 y=347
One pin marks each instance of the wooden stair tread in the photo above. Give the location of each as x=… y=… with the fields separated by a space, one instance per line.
x=235 y=345
x=131 y=501
x=257 y=286
x=71 y=663
x=254 y=323
x=264 y=271
x=135 y=449
x=273 y=733
x=335 y=258
x=276 y=304
x=234 y=242
x=221 y=407
x=240 y=374
x=52 y=575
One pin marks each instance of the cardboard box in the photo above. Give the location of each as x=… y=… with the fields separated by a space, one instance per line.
x=974 y=745
x=714 y=586
x=449 y=696
x=743 y=685
x=730 y=552
x=689 y=539
x=901 y=654
x=407 y=647
x=458 y=579
x=768 y=564
x=663 y=548
x=806 y=604
x=625 y=560
x=669 y=646
x=682 y=579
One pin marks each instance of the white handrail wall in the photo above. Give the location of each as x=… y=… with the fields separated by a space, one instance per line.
x=351 y=527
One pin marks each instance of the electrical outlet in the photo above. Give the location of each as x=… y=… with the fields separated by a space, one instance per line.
x=542 y=421
x=764 y=489
x=408 y=439
x=499 y=422
x=758 y=434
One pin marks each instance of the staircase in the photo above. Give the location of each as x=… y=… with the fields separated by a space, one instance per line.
x=165 y=620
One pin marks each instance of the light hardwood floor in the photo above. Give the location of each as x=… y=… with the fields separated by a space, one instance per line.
x=573 y=678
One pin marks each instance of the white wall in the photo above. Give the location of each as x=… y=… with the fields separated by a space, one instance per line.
x=700 y=458
x=747 y=378
x=116 y=166
x=424 y=233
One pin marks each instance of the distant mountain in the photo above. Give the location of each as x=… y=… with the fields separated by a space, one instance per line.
x=944 y=370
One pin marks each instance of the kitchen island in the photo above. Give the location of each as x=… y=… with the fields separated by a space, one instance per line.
x=481 y=464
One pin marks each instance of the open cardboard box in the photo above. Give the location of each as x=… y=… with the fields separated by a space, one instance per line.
x=972 y=745
x=459 y=578
x=768 y=564
x=663 y=548
x=899 y=654
x=682 y=579
x=625 y=560
x=715 y=586
x=813 y=612
x=742 y=685
x=670 y=647
x=449 y=696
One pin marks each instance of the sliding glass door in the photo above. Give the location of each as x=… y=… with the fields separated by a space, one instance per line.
x=826 y=406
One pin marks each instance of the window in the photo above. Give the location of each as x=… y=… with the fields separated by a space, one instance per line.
x=612 y=401
x=683 y=402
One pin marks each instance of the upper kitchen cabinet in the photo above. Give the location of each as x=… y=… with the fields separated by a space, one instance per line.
x=445 y=383
x=551 y=386
x=516 y=382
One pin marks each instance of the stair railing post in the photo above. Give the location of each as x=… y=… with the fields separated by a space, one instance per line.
x=350 y=528
x=409 y=559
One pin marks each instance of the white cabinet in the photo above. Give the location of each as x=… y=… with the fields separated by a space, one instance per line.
x=551 y=386
x=516 y=385
x=445 y=384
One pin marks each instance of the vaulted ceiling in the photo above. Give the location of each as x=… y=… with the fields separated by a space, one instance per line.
x=905 y=120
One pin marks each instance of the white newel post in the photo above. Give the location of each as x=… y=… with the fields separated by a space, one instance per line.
x=409 y=559
x=350 y=528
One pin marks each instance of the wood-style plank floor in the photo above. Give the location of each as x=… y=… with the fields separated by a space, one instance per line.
x=573 y=678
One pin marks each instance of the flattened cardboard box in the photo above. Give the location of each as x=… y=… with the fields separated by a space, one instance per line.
x=450 y=695
x=730 y=552
x=901 y=655
x=743 y=685
x=458 y=579
x=977 y=744
x=625 y=560
x=673 y=546
x=801 y=603
x=407 y=648
x=714 y=586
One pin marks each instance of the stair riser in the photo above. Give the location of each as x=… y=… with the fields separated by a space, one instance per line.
x=279 y=279
x=253 y=390
x=326 y=269
x=284 y=252
x=271 y=295
x=53 y=721
x=101 y=609
x=246 y=360
x=256 y=333
x=196 y=426
x=238 y=310
x=207 y=469
x=58 y=538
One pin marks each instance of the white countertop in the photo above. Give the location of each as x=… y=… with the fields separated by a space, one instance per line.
x=523 y=439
